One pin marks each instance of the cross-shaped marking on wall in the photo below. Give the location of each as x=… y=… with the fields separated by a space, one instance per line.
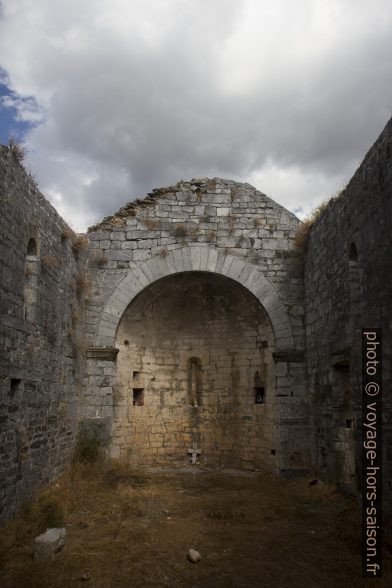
x=194 y=451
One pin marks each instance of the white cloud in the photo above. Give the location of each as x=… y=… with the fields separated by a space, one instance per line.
x=138 y=94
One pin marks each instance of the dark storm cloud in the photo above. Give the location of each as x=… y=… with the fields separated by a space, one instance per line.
x=137 y=94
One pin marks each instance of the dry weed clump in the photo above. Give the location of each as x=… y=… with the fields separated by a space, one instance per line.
x=180 y=230
x=32 y=179
x=67 y=234
x=163 y=252
x=151 y=223
x=303 y=230
x=17 y=150
x=211 y=235
x=50 y=261
x=81 y=285
x=79 y=244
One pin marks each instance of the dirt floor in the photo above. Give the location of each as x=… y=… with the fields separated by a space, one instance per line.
x=132 y=528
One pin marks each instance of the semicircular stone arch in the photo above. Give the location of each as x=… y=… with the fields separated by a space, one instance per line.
x=195 y=259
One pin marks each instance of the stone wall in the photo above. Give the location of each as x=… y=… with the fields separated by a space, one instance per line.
x=39 y=312
x=217 y=226
x=348 y=282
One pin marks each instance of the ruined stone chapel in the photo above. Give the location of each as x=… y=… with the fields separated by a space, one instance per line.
x=188 y=328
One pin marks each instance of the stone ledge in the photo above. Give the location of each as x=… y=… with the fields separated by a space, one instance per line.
x=289 y=356
x=103 y=353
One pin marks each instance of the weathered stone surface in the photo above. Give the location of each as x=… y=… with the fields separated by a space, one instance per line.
x=343 y=293
x=41 y=276
x=223 y=229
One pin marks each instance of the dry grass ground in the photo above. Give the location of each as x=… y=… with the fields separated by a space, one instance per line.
x=132 y=528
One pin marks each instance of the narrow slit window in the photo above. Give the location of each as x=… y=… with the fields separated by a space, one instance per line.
x=353 y=253
x=194 y=381
x=323 y=457
x=138 y=397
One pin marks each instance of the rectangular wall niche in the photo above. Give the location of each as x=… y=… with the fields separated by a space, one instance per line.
x=138 y=397
x=259 y=395
x=15 y=384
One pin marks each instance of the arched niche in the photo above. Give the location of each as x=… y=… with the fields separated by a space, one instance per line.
x=190 y=344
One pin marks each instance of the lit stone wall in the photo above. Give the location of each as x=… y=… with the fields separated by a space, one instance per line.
x=212 y=323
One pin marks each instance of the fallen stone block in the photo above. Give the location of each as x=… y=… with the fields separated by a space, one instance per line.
x=49 y=543
x=194 y=555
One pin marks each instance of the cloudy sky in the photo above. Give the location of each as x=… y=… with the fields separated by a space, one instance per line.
x=116 y=97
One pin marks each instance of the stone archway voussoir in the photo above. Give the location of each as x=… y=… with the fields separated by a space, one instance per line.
x=188 y=259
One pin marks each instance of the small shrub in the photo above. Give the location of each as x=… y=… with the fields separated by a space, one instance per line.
x=180 y=230
x=151 y=223
x=81 y=285
x=303 y=230
x=50 y=261
x=17 y=150
x=301 y=235
x=66 y=234
x=79 y=244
